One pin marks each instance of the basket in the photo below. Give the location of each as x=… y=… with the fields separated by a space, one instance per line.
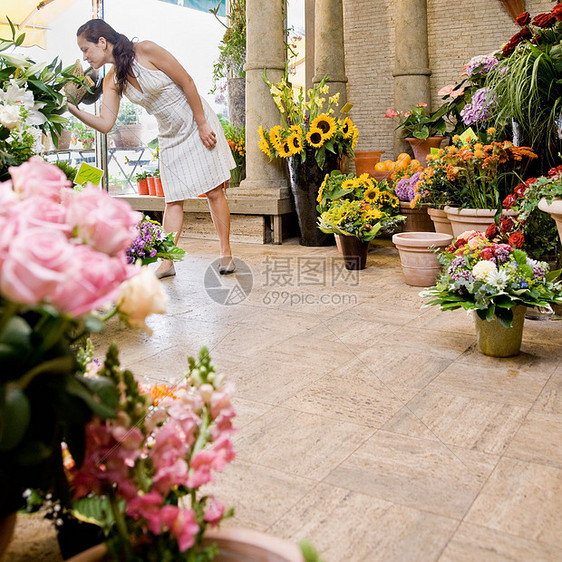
x=79 y=93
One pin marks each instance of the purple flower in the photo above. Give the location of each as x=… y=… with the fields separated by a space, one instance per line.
x=480 y=108
x=481 y=64
x=405 y=188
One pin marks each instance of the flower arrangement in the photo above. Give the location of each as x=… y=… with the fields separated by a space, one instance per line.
x=62 y=258
x=153 y=243
x=236 y=138
x=308 y=125
x=143 y=470
x=356 y=206
x=472 y=174
x=491 y=278
x=418 y=122
x=405 y=189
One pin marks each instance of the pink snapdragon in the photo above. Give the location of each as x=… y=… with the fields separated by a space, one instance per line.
x=148 y=507
x=214 y=512
x=182 y=524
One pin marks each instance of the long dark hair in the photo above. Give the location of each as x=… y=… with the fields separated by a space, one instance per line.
x=123 y=48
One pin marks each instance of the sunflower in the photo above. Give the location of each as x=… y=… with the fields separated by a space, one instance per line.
x=315 y=137
x=284 y=149
x=371 y=194
x=275 y=136
x=349 y=184
x=326 y=124
x=295 y=143
x=263 y=144
x=346 y=128
x=355 y=135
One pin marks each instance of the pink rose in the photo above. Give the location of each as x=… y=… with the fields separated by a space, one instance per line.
x=37 y=262
x=40 y=212
x=7 y=195
x=101 y=221
x=94 y=280
x=37 y=177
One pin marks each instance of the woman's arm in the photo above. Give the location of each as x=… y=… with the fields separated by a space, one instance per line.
x=167 y=63
x=109 y=108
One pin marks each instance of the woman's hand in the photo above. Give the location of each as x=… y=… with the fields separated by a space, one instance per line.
x=207 y=135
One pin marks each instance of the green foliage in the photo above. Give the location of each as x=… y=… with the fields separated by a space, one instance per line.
x=69 y=170
x=309 y=553
x=129 y=113
x=419 y=122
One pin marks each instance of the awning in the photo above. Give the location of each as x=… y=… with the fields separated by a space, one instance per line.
x=31 y=17
x=201 y=5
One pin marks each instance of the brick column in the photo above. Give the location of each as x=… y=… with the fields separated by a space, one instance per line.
x=265 y=48
x=329 y=56
x=411 y=71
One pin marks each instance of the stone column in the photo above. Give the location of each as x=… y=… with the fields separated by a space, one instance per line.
x=265 y=48
x=411 y=71
x=329 y=55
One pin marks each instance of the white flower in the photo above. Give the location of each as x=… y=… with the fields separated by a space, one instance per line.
x=10 y=116
x=483 y=269
x=140 y=296
x=498 y=279
x=16 y=94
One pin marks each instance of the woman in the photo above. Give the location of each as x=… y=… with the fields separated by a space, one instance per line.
x=194 y=155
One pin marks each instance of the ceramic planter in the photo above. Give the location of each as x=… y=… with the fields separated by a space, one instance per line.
x=417 y=219
x=151 y=186
x=417 y=255
x=496 y=340
x=469 y=219
x=142 y=187
x=441 y=223
x=158 y=187
x=365 y=161
x=555 y=210
x=422 y=147
x=354 y=252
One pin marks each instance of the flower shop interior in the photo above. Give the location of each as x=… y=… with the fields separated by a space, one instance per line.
x=379 y=379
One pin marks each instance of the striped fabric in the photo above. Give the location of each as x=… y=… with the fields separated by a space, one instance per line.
x=187 y=167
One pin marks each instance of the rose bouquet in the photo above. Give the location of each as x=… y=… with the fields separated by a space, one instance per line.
x=143 y=470
x=308 y=125
x=153 y=243
x=356 y=206
x=62 y=258
x=492 y=278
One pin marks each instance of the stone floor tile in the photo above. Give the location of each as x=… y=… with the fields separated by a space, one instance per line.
x=351 y=393
x=300 y=444
x=464 y=422
x=522 y=499
x=550 y=399
x=473 y=543
x=419 y=473
x=356 y=527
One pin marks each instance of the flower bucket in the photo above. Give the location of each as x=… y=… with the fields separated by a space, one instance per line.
x=142 y=187
x=417 y=256
x=496 y=340
x=158 y=186
x=151 y=186
x=421 y=148
x=440 y=220
x=417 y=219
x=354 y=252
x=365 y=161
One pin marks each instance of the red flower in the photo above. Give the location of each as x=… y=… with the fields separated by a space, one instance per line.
x=519 y=190
x=459 y=243
x=554 y=172
x=525 y=33
x=524 y=18
x=506 y=224
x=529 y=181
x=491 y=231
x=487 y=253
x=513 y=42
x=450 y=248
x=544 y=20
x=557 y=12
x=509 y=201
x=517 y=240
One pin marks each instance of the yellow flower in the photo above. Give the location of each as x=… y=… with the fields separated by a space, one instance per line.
x=284 y=149
x=347 y=128
x=326 y=124
x=275 y=136
x=371 y=194
x=315 y=137
x=263 y=144
x=295 y=143
x=355 y=137
x=349 y=184
x=296 y=129
x=334 y=99
x=491 y=131
x=324 y=89
x=456 y=138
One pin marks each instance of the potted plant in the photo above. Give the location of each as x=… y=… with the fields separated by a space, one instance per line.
x=312 y=143
x=497 y=281
x=82 y=135
x=49 y=301
x=356 y=209
x=236 y=138
x=142 y=182
x=158 y=183
x=127 y=130
x=422 y=130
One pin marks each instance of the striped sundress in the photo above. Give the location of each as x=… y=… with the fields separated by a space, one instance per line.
x=187 y=167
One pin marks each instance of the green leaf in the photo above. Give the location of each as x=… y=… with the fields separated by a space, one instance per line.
x=15 y=418
x=95 y=510
x=75 y=387
x=104 y=388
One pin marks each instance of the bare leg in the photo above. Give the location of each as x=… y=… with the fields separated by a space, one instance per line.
x=220 y=214
x=173 y=222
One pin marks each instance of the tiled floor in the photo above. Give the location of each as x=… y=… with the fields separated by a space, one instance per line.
x=368 y=426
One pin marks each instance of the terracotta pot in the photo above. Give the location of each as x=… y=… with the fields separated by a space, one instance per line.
x=233 y=544
x=381 y=175
x=354 y=252
x=365 y=161
x=422 y=148
x=469 y=219
x=498 y=341
x=158 y=186
x=554 y=209
x=417 y=219
x=417 y=255
x=151 y=186
x=142 y=187
x=440 y=220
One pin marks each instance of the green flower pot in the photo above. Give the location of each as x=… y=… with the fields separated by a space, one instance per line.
x=498 y=341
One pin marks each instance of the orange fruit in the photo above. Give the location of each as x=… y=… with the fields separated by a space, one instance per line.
x=404 y=156
x=401 y=165
x=416 y=164
x=388 y=165
x=380 y=167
